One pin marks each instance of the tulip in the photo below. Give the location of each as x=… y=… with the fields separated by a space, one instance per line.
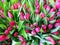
x=58 y=5
x=58 y=21
x=21 y=38
x=56 y=33
x=27 y=31
x=42 y=15
x=27 y=16
x=7 y=32
x=50 y=26
x=24 y=43
x=58 y=14
x=21 y=16
x=37 y=11
x=37 y=29
x=15 y=6
x=50 y=39
x=12 y=23
x=44 y=26
x=33 y=32
x=57 y=24
x=2 y=38
x=10 y=14
x=15 y=34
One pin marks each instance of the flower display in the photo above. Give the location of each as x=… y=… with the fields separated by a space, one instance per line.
x=29 y=22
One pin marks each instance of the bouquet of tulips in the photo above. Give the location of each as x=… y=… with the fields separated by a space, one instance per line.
x=29 y=22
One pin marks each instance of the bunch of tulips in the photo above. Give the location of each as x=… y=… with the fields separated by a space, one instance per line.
x=30 y=22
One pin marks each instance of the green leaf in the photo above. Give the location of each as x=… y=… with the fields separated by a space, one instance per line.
x=24 y=34
x=55 y=36
x=52 y=2
x=30 y=4
x=45 y=21
x=56 y=29
x=3 y=26
x=52 y=22
x=13 y=1
x=20 y=25
x=51 y=14
x=41 y=30
x=15 y=43
x=37 y=18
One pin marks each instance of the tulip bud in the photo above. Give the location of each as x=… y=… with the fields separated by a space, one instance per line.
x=57 y=24
x=10 y=14
x=50 y=39
x=37 y=11
x=58 y=5
x=56 y=33
x=50 y=26
x=37 y=29
x=7 y=32
x=42 y=15
x=33 y=32
x=24 y=43
x=19 y=4
x=21 y=16
x=15 y=6
x=2 y=38
x=27 y=16
x=27 y=31
x=21 y=38
x=58 y=14
x=58 y=21
x=15 y=34
x=43 y=26
x=12 y=23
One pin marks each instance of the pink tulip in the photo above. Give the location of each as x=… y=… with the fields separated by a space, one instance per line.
x=9 y=28
x=58 y=5
x=44 y=26
x=42 y=15
x=24 y=43
x=7 y=32
x=21 y=15
x=2 y=38
x=19 y=4
x=58 y=21
x=57 y=24
x=21 y=38
x=10 y=14
x=58 y=14
x=15 y=6
x=56 y=33
x=50 y=39
x=12 y=23
x=27 y=31
x=50 y=26
x=27 y=16
x=33 y=32
x=37 y=29
x=15 y=34
x=41 y=43
x=37 y=11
